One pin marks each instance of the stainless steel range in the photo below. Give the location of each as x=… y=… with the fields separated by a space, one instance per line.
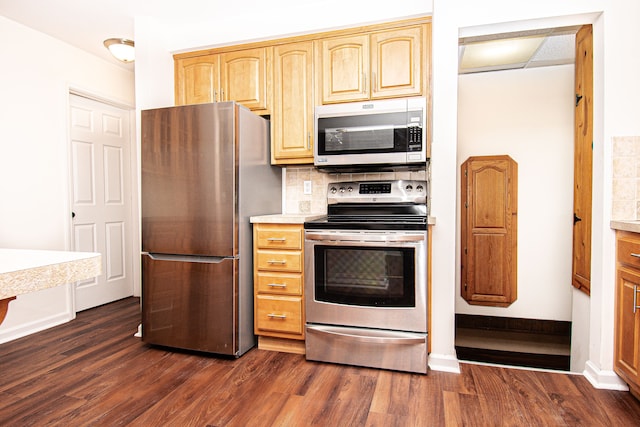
x=366 y=276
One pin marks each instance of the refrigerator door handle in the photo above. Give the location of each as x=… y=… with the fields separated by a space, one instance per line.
x=187 y=258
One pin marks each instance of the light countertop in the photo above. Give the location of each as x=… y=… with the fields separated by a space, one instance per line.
x=285 y=218
x=25 y=270
x=633 y=226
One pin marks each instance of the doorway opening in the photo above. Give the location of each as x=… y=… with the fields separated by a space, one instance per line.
x=525 y=109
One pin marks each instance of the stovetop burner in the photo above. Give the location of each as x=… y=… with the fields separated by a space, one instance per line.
x=375 y=205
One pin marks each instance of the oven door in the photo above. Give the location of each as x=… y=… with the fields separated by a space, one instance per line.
x=369 y=279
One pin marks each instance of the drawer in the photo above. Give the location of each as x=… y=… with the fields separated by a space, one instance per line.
x=279 y=260
x=279 y=283
x=628 y=250
x=279 y=236
x=279 y=314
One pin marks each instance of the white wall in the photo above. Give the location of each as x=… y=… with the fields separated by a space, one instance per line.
x=528 y=115
x=37 y=73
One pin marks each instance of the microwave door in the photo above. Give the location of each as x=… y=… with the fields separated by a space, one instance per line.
x=360 y=139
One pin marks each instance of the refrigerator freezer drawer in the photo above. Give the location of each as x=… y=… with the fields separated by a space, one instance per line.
x=190 y=305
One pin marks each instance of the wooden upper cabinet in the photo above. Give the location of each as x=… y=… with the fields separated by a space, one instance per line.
x=489 y=230
x=345 y=69
x=244 y=77
x=397 y=62
x=382 y=64
x=241 y=76
x=196 y=79
x=293 y=103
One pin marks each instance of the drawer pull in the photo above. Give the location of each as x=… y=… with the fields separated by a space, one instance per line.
x=635 y=298
x=276 y=316
x=276 y=261
x=277 y=285
x=635 y=255
x=277 y=239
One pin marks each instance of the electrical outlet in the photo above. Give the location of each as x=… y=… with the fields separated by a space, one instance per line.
x=307 y=187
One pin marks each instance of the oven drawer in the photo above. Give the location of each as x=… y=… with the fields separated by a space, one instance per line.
x=279 y=260
x=374 y=348
x=279 y=283
x=279 y=314
x=278 y=236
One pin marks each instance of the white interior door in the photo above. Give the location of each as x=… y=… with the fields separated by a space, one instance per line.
x=101 y=197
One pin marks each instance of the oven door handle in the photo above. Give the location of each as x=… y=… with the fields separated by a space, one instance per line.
x=368 y=336
x=346 y=237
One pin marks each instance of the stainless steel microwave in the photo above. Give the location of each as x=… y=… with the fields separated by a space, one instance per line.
x=385 y=134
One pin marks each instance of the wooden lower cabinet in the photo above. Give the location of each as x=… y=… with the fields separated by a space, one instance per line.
x=279 y=286
x=627 y=312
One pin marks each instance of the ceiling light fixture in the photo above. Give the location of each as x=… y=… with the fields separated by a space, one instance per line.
x=122 y=49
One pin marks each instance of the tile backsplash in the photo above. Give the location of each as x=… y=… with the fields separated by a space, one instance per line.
x=626 y=178
x=296 y=202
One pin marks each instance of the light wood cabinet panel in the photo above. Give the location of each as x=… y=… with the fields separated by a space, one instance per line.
x=279 y=236
x=627 y=317
x=197 y=79
x=279 y=283
x=345 y=69
x=241 y=76
x=489 y=230
x=397 y=62
x=279 y=314
x=293 y=104
x=382 y=64
x=279 y=286
x=279 y=260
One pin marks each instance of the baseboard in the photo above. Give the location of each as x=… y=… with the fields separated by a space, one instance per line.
x=23 y=330
x=444 y=363
x=606 y=380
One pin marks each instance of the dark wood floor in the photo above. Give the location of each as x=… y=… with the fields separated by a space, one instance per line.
x=92 y=371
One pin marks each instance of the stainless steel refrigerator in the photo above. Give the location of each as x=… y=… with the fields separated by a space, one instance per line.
x=205 y=170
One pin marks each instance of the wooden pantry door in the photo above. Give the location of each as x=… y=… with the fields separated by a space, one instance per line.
x=489 y=230
x=583 y=161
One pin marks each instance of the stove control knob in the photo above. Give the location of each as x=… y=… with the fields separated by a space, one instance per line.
x=409 y=188
x=420 y=188
x=350 y=189
x=333 y=190
x=342 y=189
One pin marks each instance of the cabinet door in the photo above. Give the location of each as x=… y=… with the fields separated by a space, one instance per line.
x=293 y=101
x=627 y=335
x=196 y=80
x=243 y=77
x=345 y=69
x=397 y=62
x=489 y=230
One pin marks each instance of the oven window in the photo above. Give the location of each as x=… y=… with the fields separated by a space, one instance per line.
x=366 y=276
